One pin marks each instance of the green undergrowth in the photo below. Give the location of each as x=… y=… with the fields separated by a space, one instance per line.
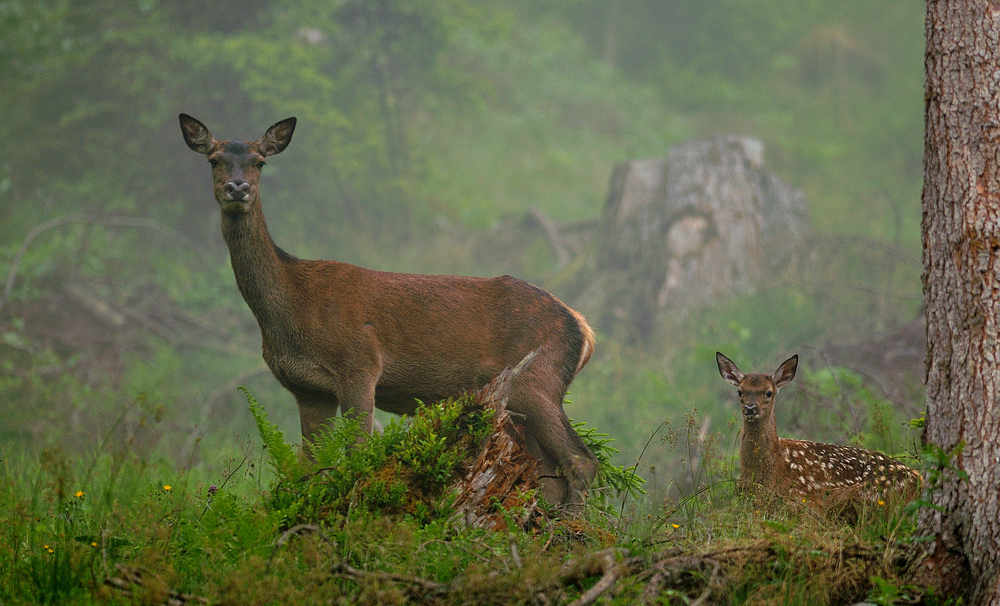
x=409 y=469
x=402 y=471
x=274 y=528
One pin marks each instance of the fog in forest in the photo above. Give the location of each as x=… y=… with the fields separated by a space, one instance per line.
x=693 y=176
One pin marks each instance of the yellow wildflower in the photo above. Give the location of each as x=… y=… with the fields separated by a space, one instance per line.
x=79 y=494
x=167 y=487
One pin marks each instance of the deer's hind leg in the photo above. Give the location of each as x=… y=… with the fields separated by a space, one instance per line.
x=567 y=466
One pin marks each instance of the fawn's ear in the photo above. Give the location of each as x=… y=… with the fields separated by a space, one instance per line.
x=786 y=372
x=277 y=138
x=728 y=369
x=196 y=135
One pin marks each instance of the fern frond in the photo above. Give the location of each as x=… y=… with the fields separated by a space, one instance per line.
x=281 y=454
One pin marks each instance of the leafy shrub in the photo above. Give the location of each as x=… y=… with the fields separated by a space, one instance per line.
x=405 y=470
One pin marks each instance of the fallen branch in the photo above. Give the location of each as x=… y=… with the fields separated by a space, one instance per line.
x=291 y=532
x=419 y=588
x=551 y=234
x=131 y=578
x=607 y=562
x=111 y=221
x=671 y=572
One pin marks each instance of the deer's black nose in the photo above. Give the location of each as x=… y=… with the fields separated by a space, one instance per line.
x=237 y=190
x=750 y=410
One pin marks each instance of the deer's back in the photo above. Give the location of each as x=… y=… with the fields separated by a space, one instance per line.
x=430 y=336
x=833 y=475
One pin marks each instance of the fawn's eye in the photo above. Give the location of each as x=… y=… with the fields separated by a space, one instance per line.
x=214 y=162
x=739 y=393
x=260 y=164
x=769 y=394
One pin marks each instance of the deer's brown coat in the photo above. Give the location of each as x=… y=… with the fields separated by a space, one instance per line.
x=340 y=336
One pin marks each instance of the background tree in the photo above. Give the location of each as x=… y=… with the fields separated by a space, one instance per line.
x=961 y=230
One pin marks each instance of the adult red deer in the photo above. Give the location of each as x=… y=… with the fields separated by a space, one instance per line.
x=340 y=336
x=828 y=477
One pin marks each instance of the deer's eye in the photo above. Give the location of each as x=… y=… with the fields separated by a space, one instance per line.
x=769 y=394
x=260 y=164
x=214 y=162
x=739 y=393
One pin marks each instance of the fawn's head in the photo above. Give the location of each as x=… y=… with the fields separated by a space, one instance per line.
x=756 y=391
x=236 y=165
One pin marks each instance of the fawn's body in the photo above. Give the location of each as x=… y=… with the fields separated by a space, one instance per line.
x=828 y=477
x=341 y=336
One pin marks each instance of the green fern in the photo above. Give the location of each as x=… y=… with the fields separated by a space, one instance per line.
x=618 y=480
x=405 y=470
x=281 y=454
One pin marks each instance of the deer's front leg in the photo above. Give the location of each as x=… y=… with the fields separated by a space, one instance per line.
x=314 y=413
x=356 y=384
x=360 y=405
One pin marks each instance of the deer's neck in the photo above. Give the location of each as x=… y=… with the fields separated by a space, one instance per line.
x=260 y=268
x=759 y=455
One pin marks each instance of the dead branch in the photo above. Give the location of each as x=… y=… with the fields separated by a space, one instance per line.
x=708 y=586
x=95 y=305
x=419 y=588
x=551 y=234
x=291 y=532
x=503 y=470
x=679 y=572
x=131 y=578
x=109 y=221
x=607 y=562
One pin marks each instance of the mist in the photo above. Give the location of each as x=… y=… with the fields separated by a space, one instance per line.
x=473 y=138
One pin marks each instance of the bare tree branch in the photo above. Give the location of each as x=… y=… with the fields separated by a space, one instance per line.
x=109 y=221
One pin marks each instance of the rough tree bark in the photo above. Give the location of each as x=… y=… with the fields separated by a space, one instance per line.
x=961 y=257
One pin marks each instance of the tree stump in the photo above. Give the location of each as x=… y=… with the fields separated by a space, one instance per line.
x=706 y=222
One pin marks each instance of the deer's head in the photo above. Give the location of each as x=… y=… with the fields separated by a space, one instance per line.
x=756 y=391
x=236 y=165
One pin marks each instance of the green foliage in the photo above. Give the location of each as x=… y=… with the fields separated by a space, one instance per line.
x=613 y=482
x=937 y=462
x=843 y=395
x=425 y=115
x=405 y=470
x=439 y=440
x=66 y=528
x=431 y=114
x=280 y=454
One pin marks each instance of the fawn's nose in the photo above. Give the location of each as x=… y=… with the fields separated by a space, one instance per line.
x=750 y=410
x=237 y=189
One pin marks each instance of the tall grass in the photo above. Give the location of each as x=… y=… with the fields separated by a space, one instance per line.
x=115 y=527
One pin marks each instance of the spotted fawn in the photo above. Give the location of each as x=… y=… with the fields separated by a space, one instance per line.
x=828 y=477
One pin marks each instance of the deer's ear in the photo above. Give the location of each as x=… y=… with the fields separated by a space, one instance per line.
x=786 y=372
x=277 y=138
x=196 y=135
x=728 y=369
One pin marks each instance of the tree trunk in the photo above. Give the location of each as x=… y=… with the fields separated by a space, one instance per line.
x=961 y=230
x=707 y=222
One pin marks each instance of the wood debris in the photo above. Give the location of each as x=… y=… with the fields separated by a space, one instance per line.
x=503 y=476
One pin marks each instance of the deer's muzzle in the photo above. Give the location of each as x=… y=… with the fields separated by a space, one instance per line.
x=237 y=190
